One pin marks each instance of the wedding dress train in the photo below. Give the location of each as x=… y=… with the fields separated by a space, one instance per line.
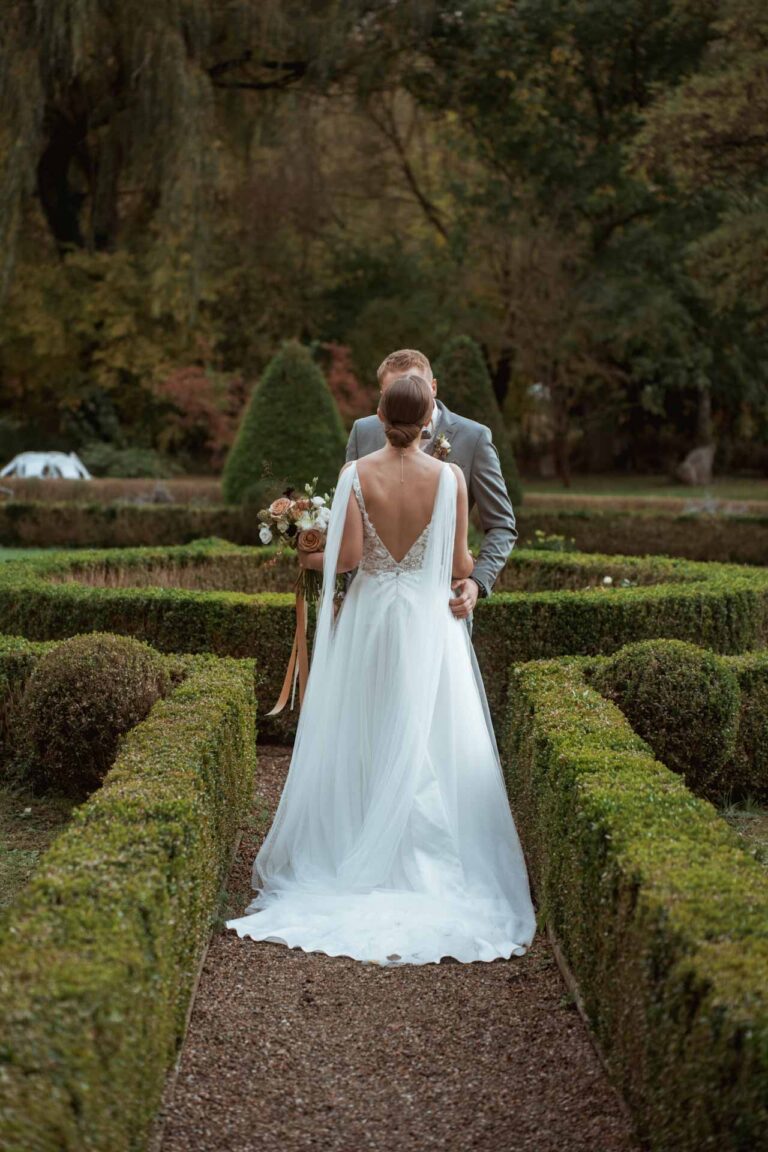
x=393 y=841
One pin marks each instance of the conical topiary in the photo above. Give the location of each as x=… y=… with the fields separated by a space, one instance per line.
x=290 y=431
x=465 y=385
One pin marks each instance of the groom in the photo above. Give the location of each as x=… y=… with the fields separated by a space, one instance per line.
x=470 y=446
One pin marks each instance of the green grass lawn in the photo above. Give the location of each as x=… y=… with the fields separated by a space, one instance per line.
x=721 y=488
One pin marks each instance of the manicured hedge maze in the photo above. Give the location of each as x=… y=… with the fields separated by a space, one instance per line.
x=661 y=912
x=99 y=952
x=554 y=604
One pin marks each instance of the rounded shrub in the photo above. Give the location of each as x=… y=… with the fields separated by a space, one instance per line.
x=465 y=385
x=80 y=699
x=682 y=700
x=291 y=429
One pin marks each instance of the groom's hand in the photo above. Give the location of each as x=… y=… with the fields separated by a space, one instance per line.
x=465 y=593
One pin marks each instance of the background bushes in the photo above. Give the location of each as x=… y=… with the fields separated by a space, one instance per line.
x=99 y=953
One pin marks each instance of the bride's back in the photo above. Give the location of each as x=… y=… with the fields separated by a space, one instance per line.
x=399 y=491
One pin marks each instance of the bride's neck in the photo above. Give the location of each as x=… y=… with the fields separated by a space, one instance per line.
x=410 y=448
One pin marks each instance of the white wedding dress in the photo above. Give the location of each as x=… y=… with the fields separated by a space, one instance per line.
x=393 y=841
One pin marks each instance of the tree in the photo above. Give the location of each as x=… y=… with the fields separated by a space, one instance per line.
x=709 y=132
x=466 y=386
x=291 y=429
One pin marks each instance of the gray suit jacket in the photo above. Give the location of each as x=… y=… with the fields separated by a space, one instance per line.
x=473 y=450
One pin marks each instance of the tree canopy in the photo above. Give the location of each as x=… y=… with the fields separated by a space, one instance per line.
x=580 y=185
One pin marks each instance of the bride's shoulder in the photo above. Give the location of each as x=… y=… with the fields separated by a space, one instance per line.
x=460 y=480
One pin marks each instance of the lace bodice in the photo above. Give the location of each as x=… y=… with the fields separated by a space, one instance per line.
x=377 y=559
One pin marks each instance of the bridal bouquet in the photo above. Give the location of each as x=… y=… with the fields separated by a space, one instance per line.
x=299 y=523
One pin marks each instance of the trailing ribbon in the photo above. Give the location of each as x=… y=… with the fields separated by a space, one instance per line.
x=298 y=663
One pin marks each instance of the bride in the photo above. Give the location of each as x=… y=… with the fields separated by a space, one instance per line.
x=393 y=842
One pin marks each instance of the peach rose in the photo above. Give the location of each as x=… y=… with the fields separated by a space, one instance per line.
x=310 y=541
x=279 y=507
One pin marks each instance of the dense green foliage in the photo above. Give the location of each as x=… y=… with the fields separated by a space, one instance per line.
x=580 y=185
x=80 y=700
x=683 y=701
x=99 y=953
x=291 y=430
x=465 y=385
x=658 y=908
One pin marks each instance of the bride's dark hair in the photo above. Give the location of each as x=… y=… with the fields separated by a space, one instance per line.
x=404 y=406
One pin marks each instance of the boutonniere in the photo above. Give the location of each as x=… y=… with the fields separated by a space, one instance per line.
x=442 y=448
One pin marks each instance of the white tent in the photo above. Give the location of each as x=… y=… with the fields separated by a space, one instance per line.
x=66 y=465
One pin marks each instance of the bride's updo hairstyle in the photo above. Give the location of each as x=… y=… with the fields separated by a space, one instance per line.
x=405 y=406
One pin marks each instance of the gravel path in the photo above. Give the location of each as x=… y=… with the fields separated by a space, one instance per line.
x=287 y=1050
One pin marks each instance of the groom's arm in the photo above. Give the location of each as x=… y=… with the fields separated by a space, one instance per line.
x=352 y=452
x=497 y=518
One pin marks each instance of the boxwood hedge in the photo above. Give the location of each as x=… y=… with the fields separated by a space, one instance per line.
x=99 y=952
x=548 y=604
x=703 y=714
x=740 y=539
x=661 y=913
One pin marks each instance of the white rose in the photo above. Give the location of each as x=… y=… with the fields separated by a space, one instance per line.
x=607 y=580
x=318 y=501
x=305 y=521
x=265 y=534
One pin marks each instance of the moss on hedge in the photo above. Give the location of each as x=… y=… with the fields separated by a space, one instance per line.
x=660 y=912
x=99 y=953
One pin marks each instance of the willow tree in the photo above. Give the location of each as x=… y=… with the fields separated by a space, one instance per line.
x=113 y=114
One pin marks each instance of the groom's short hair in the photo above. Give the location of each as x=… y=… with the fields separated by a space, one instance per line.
x=403 y=362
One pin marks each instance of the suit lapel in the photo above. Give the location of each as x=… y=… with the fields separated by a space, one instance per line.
x=443 y=425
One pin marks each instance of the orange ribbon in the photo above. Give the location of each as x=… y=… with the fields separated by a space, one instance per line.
x=298 y=664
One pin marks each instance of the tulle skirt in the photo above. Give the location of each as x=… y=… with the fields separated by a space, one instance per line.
x=394 y=841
